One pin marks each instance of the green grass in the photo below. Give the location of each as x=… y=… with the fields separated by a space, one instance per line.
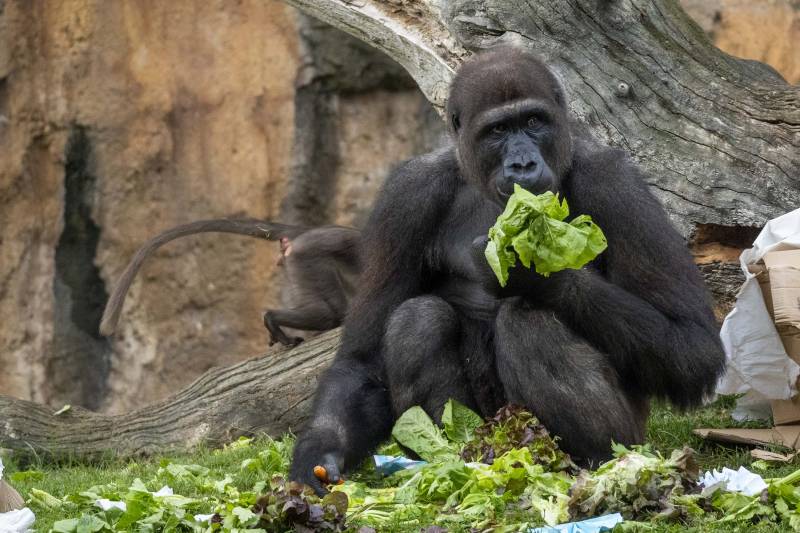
x=74 y=476
x=668 y=429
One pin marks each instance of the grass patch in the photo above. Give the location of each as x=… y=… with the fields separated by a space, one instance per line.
x=668 y=429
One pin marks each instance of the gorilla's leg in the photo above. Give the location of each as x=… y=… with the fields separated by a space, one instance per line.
x=566 y=383
x=421 y=357
x=314 y=316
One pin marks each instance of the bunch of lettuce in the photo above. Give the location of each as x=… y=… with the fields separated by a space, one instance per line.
x=516 y=490
x=532 y=228
x=513 y=427
x=639 y=484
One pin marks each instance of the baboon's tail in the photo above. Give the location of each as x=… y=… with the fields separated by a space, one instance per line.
x=261 y=229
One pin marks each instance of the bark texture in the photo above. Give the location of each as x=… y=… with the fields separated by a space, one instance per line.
x=720 y=136
x=270 y=394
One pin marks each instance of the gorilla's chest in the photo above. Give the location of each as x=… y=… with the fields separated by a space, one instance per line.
x=453 y=263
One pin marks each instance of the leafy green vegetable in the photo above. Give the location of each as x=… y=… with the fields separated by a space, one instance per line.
x=523 y=481
x=459 y=421
x=638 y=484
x=533 y=227
x=291 y=505
x=511 y=428
x=416 y=431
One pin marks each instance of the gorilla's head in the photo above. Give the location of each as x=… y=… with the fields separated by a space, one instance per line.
x=507 y=115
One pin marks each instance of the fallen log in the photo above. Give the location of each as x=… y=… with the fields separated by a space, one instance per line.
x=270 y=394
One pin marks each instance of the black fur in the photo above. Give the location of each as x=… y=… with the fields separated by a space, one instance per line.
x=584 y=350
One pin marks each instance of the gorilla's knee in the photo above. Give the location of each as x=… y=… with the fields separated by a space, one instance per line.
x=420 y=350
x=417 y=319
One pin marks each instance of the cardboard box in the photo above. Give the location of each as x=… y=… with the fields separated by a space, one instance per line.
x=788 y=436
x=784 y=280
x=779 y=279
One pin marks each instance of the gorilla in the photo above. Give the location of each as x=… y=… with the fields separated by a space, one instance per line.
x=321 y=265
x=584 y=350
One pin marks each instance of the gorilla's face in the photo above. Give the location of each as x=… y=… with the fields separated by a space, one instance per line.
x=511 y=142
x=509 y=120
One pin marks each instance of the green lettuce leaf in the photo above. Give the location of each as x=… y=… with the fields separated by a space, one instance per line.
x=459 y=421
x=415 y=430
x=532 y=228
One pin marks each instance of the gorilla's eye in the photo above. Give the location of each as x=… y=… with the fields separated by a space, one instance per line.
x=533 y=122
x=500 y=128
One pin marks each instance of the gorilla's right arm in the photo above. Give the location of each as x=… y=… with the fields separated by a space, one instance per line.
x=352 y=412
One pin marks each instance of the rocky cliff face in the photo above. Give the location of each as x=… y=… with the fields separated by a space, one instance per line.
x=763 y=30
x=121 y=119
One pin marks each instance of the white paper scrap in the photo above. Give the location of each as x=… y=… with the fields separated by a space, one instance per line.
x=105 y=505
x=756 y=363
x=19 y=521
x=163 y=491
x=742 y=480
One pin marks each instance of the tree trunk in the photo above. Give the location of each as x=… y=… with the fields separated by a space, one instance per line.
x=718 y=136
x=269 y=394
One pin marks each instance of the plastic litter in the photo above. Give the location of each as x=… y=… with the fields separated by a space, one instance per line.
x=757 y=364
x=389 y=464
x=591 y=525
x=19 y=521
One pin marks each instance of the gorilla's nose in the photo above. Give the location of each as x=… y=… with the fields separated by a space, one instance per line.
x=521 y=167
x=525 y=173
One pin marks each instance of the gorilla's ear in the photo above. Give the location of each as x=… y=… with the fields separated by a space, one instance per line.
x=455 y=122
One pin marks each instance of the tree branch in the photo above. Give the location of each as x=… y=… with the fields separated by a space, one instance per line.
x=270 y=394
x=719 y=136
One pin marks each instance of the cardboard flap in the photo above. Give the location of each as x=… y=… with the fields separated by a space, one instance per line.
x=784 y=280
x=788 y=436
x=782 y=258
x=786 y=412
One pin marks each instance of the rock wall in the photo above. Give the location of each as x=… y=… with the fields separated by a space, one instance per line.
x=121 y=119
x=763 y=30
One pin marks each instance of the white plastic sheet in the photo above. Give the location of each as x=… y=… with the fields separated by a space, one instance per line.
x=19 y=521
x=757 y=364
x=107 y=505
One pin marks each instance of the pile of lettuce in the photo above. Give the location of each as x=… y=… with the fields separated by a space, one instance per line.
x=503 y=474
x=532 y=228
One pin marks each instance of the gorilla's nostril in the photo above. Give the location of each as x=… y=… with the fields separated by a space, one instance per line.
x=520 y=165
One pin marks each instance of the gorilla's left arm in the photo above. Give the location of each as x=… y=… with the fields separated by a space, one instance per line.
x=646 y=307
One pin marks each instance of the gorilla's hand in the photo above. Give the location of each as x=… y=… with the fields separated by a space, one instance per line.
x=483 y=273
x=315 y=450
x=521 y=281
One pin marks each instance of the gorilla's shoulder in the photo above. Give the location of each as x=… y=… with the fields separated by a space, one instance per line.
x=592 y=154
x=442 y=160
x=425 y=172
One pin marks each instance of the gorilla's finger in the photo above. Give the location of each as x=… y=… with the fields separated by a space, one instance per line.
x=330 y=464
x=316 y=485
x=479 y=243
